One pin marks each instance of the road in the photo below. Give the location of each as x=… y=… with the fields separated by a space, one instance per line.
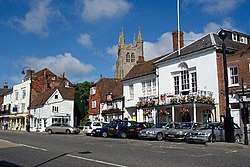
x=23 y=149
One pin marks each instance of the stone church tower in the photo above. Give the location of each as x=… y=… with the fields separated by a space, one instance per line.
x=128 y=55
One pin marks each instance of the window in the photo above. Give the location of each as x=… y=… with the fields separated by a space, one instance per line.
x=22 y=107
x=16 y=95
x=93 y=90
x=149 y=87
x=23 y=93
x=127 y=58
x=132 y=57
x=184 y=80
x=149 y=91
x=131 y=91
x=93 y=103
x=234 y=78
x=56 y=96
x=143 y=88
x=234 y=36
x=176 y=85
x=194 y=82
x=54 y=108
x=154 y=86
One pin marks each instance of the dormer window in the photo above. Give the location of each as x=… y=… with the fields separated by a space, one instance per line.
x=234 y=37
x=243 y=40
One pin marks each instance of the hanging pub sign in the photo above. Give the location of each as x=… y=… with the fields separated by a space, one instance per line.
x=109 y=99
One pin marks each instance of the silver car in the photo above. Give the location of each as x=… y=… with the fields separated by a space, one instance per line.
x=62 y=128
x=157 y=131
x=179 y=133
x=211 y=132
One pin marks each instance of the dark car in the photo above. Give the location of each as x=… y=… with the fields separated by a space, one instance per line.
x=118 y=128
x=98 y=132
x=136 y=127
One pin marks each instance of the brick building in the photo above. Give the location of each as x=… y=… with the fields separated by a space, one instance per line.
x=106 y=100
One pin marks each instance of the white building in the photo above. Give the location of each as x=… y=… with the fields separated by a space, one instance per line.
x=19 y=102
x=185 y=85
x=53 y=106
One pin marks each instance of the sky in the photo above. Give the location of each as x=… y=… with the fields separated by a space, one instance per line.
x=80 y=37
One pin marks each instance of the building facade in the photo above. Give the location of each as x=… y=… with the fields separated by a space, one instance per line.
x=30 y=101
x=106 y=100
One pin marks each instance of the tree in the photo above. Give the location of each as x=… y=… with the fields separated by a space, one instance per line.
x=81 y=100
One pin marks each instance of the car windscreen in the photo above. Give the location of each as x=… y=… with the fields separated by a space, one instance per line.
x=87 y=124
x=184 y=126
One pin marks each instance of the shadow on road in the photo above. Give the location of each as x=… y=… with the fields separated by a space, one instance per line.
x=8 y=164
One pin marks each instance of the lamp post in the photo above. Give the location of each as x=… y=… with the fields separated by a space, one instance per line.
x=28 y=121
x=244 y=112
x=228 y=120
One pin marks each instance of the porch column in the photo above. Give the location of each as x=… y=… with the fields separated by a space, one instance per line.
x=195 y=113
x=173 y=114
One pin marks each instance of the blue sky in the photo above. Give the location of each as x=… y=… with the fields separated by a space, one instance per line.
x=38 y=33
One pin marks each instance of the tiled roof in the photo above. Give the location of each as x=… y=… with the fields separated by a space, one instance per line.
x=142 y=69
x=67 y=94
x=41 y=72
x=4 y=91
x=205 y=42
x=109 y=85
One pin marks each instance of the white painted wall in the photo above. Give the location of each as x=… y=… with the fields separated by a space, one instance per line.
x=18 y=88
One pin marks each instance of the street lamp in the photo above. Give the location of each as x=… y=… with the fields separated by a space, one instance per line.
x=244 y=112
x=228 y=120
x=23 y=73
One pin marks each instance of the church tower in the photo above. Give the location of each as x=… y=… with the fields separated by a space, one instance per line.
x=128 y=55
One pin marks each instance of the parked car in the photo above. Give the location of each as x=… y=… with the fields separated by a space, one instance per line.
x=62 y=128
x=91 y=125
x=179 y=133
x=157 y=131
x=135 y=128
x=101 y=131
x=118 y=128
x=211 y=132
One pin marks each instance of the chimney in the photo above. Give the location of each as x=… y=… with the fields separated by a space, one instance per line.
x=175 y=40
x=140 y=59
x=5 y=86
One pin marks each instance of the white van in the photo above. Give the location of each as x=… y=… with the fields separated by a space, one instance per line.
x=91 y=125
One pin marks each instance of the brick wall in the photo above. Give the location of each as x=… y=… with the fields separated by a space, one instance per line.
x=240 y=59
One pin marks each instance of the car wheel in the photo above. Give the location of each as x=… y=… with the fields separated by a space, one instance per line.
x=237 y=139
x=105 y=134
x=50 y=131
x=159 y=136
x=68 y=131
x=88 y=134
x=123 y=135
x=211 y=138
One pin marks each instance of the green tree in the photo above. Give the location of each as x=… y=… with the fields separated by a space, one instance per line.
x=81 y=100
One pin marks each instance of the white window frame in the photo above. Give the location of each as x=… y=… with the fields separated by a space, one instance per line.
x=93 y=104
x=131 y=91
x=232 y=77
x=93 y=90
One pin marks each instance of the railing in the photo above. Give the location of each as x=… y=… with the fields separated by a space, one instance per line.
x=200 y=96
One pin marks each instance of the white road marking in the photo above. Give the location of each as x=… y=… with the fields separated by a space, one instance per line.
x=37 y=148
x=197 y=156
x=97 y=161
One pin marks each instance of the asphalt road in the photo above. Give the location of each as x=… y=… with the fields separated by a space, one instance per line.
x=22 y=149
